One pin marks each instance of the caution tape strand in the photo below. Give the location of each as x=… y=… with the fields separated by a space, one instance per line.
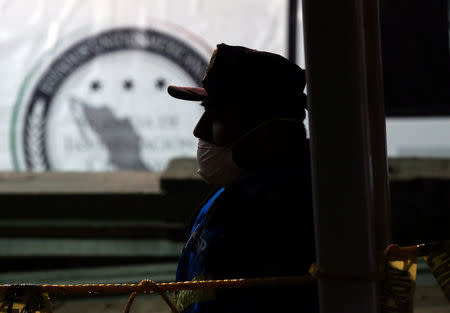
x=392 y=252
x=148 y=286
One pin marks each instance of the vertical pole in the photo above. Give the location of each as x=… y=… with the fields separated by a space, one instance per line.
x=292 y=30
x=377 y=124
x=343 y=129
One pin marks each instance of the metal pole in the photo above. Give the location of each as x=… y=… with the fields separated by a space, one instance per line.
x=341 y=129
x=377 y=124
x=292 y=30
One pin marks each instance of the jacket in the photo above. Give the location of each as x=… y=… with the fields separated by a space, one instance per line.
x=260 y=226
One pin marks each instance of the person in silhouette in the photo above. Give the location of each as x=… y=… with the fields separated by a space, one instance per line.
x=253 y=147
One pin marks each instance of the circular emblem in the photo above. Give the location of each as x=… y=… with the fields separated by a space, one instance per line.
x=102 y=105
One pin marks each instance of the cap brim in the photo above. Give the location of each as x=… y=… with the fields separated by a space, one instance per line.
x=188 y=93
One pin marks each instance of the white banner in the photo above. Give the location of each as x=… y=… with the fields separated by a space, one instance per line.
x=83 y=83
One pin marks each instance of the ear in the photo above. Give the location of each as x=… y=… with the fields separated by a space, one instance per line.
x=252 y=149
x=273 y=142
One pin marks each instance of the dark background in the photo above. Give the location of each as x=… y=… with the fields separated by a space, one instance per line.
x=416 y=59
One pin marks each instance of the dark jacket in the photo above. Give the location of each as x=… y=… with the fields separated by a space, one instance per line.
x=260 y=226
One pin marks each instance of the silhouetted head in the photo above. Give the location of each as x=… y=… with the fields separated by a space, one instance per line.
x=254 y=103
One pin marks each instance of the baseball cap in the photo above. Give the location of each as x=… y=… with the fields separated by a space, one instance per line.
x=263 y=82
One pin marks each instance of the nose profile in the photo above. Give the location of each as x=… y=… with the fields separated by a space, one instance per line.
x=203 y=128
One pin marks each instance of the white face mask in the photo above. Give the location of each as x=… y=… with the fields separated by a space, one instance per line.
x=216 y=164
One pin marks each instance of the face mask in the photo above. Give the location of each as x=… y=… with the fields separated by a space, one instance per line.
x=216 y=164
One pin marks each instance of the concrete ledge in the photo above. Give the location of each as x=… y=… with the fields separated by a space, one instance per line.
x=79 y=182
x=130 y=273
x=41 y=247
x=180 y=175
x=412 y=168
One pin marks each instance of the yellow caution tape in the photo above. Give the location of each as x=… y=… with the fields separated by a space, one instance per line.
x=439 y=262
x=398 y=277
x=28 y=299
x=399 y=286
